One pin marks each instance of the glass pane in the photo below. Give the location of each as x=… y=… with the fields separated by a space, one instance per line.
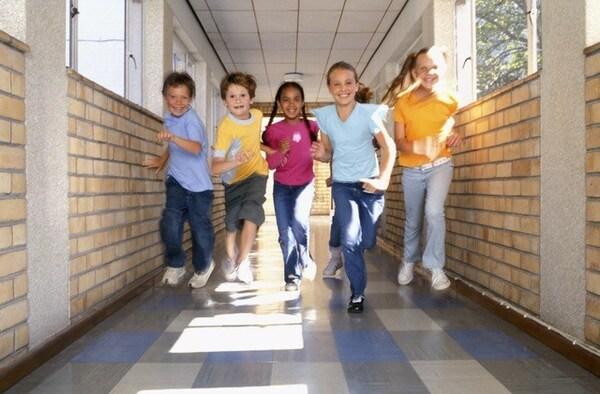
x=101 y=42
x=501 y=43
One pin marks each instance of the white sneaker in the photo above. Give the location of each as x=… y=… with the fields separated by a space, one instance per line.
x=334 y=264
x=439 y=280
x=293 y=285
x=229 y=271
x=405 y=274
x=199 y=279
x=173 y=276
x=310 y=271
x=244 y=273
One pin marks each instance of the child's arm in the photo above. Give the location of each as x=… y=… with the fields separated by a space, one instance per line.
x=277 y=156
x=193 y=147
x=220 y=165
x=402 y=144
x=388 y=155
x=267 y=149
x=157 y=163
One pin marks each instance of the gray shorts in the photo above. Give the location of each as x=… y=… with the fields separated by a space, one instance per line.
x=244 y=201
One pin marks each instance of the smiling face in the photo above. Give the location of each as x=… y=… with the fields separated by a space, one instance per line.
x=291 y=103
x=238 y=101
x=342 y=86
x=178 y=99
x=429 y=68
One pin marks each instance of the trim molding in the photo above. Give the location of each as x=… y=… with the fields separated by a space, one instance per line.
x=11 y=375
x=554 y=340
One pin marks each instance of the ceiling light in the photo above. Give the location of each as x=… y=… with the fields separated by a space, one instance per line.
x=293 y=77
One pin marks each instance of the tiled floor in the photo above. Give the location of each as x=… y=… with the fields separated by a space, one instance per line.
x=233 y=338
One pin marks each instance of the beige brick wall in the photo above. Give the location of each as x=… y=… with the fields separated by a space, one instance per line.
x=592 y=97
x=13 y=255
x=493 y=208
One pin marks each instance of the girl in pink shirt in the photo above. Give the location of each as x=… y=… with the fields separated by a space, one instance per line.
x=289 y=141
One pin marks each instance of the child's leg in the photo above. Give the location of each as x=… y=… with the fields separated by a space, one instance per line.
x=413 y=185
x=283 y=201
x=203 y=236
x=247 y=237
x=301 y=221
x=171 y=223
x=230 y=244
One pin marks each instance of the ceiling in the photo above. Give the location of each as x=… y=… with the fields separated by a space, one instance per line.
x=269 y=38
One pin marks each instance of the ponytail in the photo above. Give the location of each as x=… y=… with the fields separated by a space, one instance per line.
x=364 y=94
x=403 y=80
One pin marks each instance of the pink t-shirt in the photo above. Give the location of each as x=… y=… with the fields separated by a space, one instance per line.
x=296 y=166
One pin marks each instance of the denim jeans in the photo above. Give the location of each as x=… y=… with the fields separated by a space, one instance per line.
x=357 y=214
x=196 y=207
x=334 y=233
x=292 y=212
x=425 y=191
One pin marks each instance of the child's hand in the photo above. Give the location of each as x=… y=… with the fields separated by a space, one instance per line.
x=165 y=135
x=242 y=157
x=317 y=150
x=284 y=146
x=454 y=139
x=375 y=185
x=328 y=182
x=155 y=163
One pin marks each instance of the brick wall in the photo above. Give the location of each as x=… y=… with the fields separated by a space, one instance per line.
x=494 y=203
x=13 y=256
x=592 y=97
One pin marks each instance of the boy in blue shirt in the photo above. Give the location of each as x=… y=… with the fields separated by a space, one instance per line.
x=188 y=185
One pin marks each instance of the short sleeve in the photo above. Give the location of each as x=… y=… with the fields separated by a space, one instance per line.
x=222 y=142
x=194 y=129
x=321 y=115
x=398 y=113
x=378 y=113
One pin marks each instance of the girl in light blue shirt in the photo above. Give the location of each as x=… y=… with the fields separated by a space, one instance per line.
x=359 y=181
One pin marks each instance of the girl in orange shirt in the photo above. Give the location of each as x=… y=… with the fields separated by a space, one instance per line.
x=423 y=132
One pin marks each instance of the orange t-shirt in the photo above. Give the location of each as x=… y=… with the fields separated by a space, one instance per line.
x=423 y=118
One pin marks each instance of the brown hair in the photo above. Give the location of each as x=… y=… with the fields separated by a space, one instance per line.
x=364 y=93
x=238 y=78
x=178 y=79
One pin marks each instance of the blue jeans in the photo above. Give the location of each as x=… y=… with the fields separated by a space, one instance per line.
x=357 y=214
x=426 y=191
x=292 y=212
x=196 y=207
x=334 y=233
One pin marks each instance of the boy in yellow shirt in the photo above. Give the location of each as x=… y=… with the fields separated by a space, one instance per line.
x=244 y=172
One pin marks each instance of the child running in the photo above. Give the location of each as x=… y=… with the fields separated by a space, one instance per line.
x=423 y=133
x=244 y=172
x=189 y=187
x=293 y=190
x=347 y=131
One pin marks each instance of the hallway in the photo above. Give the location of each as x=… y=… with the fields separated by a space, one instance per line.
x=233 y=338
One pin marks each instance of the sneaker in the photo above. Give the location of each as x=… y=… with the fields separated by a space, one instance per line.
x=294 y=285
x=244 y=273
x=405 y=274
x=356 y=304
x=173 y=276
x=200 y=278
x=310 y=270
x=334 y=264
x=439 y=280
x=228 y=268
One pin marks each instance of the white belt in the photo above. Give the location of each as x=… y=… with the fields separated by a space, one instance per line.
x=435 y=163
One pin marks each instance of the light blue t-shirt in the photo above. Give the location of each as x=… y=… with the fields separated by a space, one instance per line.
x=352 y=141
x=190 y=170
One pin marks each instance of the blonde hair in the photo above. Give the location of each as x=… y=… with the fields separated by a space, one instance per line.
x=405 y=80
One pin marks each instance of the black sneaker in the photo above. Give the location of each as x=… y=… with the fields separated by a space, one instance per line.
x=356 y=304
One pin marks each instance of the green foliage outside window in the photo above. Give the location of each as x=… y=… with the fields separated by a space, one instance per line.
x=501 y=36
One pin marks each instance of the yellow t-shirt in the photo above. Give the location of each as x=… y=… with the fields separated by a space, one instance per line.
x=234 y=135
x=424 y=118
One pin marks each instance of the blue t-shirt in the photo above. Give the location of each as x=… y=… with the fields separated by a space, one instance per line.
x=352 y=141
x=190 y=170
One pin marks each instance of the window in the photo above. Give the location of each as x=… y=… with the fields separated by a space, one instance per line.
x=104 y=43
x=497 y=42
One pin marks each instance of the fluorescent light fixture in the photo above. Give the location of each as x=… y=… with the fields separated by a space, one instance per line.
x=293 y=77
